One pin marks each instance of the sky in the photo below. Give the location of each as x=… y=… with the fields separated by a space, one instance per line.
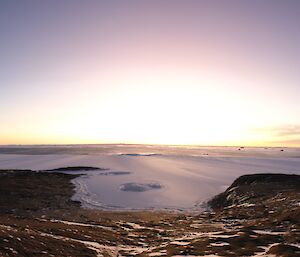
x=215 y=72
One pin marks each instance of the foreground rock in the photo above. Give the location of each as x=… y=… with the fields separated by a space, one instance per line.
x=257 y=216
x=27 y=192
x=251 y=188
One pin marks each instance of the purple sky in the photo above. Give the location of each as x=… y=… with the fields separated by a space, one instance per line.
x=174 y=72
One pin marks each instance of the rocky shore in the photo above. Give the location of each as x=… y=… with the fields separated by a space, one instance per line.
x=258 y=215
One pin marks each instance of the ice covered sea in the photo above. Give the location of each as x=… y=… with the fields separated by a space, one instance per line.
x=152 y=177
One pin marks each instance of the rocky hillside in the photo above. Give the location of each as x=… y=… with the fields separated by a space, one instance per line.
x=249 y=189
x=258 y=215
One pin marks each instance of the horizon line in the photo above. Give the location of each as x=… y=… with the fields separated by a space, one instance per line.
x=153 y=144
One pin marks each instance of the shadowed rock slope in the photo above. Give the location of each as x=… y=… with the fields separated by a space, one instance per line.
x=248 y=189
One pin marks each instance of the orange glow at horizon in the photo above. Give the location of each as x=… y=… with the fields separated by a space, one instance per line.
x=176 y=109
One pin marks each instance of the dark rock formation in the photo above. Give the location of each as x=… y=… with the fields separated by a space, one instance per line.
x=76 y=168
x=247 y=188
x=24 y=191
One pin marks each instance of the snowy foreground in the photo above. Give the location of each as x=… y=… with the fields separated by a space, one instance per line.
x=159 y=178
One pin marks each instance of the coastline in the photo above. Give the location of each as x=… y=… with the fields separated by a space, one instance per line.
x=246 y=228
x=184 y=181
